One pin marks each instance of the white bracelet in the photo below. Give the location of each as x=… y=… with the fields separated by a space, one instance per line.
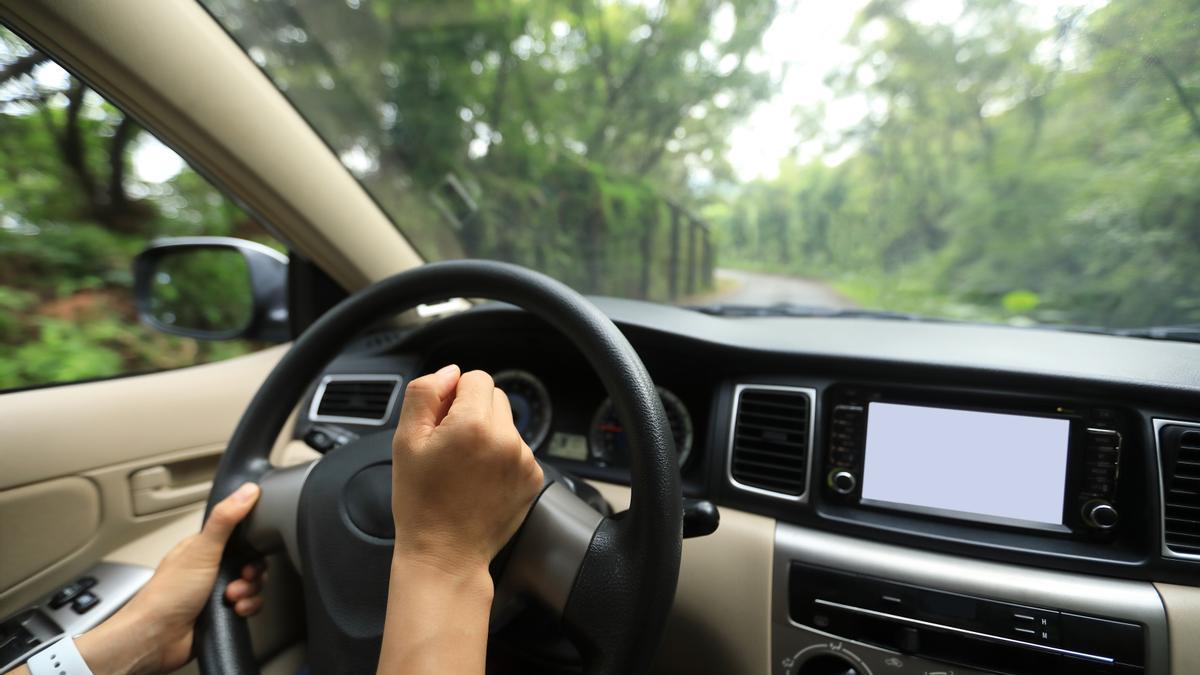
x=60 y=658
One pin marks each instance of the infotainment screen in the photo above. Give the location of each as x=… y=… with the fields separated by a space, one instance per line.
x=984 y=466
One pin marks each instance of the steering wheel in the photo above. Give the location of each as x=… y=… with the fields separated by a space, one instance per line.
x=610 y=579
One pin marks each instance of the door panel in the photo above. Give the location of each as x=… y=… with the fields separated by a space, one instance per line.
x=43 y=522
x=67 y=487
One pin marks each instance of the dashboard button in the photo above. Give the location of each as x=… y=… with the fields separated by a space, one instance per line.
x=84 y=602
x=71 y=591
x=1100 y=514
x=842 y=482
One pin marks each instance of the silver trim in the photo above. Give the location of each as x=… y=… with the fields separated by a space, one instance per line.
x=551 y=547
x=167 y=242
x=538 y=435
x=838 y=474
x=272 y=525
x=964 y=631
x=1122 y=599
x=801 y=498
x=1095 y=505
x=116 y=583
x=355 y=377
x=1162 y=487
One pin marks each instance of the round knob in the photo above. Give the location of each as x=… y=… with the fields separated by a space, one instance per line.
x=843 y=482
x=1100 y=515
x=827 y=664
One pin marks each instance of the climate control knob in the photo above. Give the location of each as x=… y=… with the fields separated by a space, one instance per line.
x=843 y=482
x=1100 y=514
x=827 y=664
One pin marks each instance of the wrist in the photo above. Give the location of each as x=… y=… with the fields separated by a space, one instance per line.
x=125 y=644
x=464 y=578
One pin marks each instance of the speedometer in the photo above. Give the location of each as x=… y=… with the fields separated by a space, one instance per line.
x=530 y=404
x=607 y=438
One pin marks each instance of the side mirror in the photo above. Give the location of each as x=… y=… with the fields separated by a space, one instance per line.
x=213 y=288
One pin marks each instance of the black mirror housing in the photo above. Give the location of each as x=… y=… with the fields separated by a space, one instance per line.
x=252 y=279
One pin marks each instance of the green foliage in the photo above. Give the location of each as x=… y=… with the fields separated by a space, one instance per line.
x=71 y=220
x=1007 y=172
x=205 y=290
x=1007 y=168
x=570 y=123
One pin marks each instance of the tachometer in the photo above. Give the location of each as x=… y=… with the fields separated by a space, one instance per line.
x=607 y=438
x=530 y=404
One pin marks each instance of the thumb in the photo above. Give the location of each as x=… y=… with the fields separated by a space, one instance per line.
x=227 y=514
x=426 y=400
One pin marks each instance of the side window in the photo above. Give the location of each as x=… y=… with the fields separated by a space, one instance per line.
x=83 y=189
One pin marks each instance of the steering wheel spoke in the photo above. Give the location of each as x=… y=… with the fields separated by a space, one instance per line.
x=550 y=548
x=273 y=526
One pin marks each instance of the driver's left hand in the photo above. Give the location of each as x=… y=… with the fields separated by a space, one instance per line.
x=153 y=633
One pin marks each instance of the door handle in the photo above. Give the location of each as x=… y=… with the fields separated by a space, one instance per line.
x=154 y=490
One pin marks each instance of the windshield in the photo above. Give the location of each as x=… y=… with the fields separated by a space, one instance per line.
x=987 y=160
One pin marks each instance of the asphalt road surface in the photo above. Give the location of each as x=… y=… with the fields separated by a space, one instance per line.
x=754 y=288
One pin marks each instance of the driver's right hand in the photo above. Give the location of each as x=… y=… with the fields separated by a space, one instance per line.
x=462 y=477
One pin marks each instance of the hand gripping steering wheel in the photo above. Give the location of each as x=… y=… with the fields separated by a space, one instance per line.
x=611 y=580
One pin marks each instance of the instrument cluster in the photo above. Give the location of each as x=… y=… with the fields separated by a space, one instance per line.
x=603 y=443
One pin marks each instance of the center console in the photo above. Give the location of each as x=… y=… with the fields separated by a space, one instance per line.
x=975 y=471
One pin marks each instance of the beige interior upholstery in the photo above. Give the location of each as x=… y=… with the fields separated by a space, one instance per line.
x=1183 y=618
x=70 y=452
x=41 y=533
x=718 y=626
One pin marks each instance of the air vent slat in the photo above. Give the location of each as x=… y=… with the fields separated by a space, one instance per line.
x=746 y=451
x=769 y=449
x=366 y=399
x=774 y=406
x=743 y=424
x=1186 y=538
x=742 y=462
x=1179 y=448
x=769 y=416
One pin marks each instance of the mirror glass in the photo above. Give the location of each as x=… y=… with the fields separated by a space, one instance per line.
x=201 y=291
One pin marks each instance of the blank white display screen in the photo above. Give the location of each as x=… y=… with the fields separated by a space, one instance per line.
x=982 y=466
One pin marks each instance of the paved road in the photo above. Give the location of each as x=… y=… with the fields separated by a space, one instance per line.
x=754 y=288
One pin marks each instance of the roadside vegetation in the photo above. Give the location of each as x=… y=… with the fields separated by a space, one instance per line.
x=1009 y=164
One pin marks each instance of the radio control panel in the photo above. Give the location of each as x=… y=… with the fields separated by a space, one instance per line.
x=1029 y=464
x=848 y=606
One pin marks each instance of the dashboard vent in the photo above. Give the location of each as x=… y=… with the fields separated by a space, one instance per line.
x=355 y=399
x=1179 y=449
x=769 y=448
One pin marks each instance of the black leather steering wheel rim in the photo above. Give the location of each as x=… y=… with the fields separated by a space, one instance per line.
x=626 y=583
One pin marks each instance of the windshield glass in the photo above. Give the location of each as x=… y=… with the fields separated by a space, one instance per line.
x=989 y=160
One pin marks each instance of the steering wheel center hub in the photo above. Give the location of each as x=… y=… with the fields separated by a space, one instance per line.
x=368 y=500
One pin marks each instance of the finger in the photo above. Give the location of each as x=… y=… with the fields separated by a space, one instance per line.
x=255 y=570
x=240 y=589
x=502 y=409
x=473 y=397
x=249 y=606
x=426 y=400
x=225 y=516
